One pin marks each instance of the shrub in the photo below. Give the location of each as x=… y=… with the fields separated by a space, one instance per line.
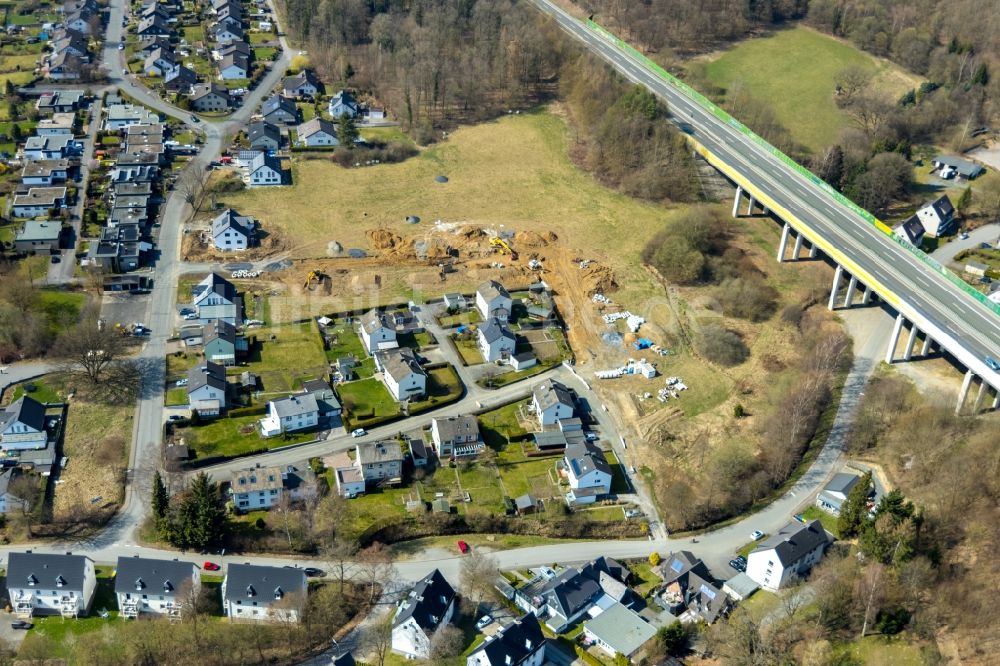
x=747 y=298
x=654 y=558
x=722 y=346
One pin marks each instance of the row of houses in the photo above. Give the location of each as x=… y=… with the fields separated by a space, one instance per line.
x=48 y=584
x=70 y=42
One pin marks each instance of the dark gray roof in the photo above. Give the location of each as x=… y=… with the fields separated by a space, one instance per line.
x=204 y=89
x=491 y=289
x=912 y=229
x=525 y=501
x=262 y=160
x=317 y=124
x=494 y=330
x=149 y=576
x=964 y=167
x=263 y=130
x=217 y=284
x=943 y=207
x=515 y=643
x=251 y=582
x=586 y=457
x=551 y=392
x=794 y=540
x=373 y=320
x=46 y=572
x=278 y=102
x=25 y=409
x=209 y=374
x=219 y=329
x=842 y=483
x=571 y=591
x=315 y=386
x=399 y=363
x=427 y=602
x=230 y=219
x=456 y=426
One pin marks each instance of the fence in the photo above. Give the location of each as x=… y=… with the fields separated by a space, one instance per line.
x=798 y=168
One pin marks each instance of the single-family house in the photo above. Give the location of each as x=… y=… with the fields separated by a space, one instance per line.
x=552 y=401
x=59 y=101
x=493 y=301
x=326 y=398
x=221 y=343
x=401 y=373
x=225 y=32
x=381 y=461
x=79 y=17
x=22 y=425
x=153 y=26
x=519 y=644
x=210 y=97
x=378 y=332
x=159 y=62
x=937 y=216
x=215 y=297
x=70 y=41
x=954 y=165
x=347 y=475
x=619 y=630
x=740 y=587
x=206 y=389
x=38 y=236
x=264 y=170
x=264 y=136
x=50 y=147
x=150 y=586
x=428 y=608
x=587 y=468
x=341 y=103
x=911 y=230
x=45 y=172
x=64 y=66
x=50 y=584
x=835 y=493
x=232 y=231
x=496 y=340
x=563 y=599
x=256 y=488
x=303 y=84
x=790 y=553
x=234 y=66
x=257 y=593
x=121 y=116
x=279 y=110
x=688 y=591
x=180 y=79
x=317 y=132
x=235 y=47
x=38 y=202
x=59 y=123
x=292 y=414
x=456 y=436
x=118 y=249
x=150 y=44
x=455 y=302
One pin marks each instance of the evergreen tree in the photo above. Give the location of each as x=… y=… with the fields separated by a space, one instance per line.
x=673 y=638
x=160 y=501
x=854 y=510
x=8 y=88
x=964 y=200
x=201 y=517
x=347 y=131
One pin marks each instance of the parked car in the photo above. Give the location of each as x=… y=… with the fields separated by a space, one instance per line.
x=191 y=316
x=121 y=47
x=313 y=572
x=21 y=624
x=210 y=566
x=463 y=547
x=176 y=417
x=181 y=382
x=736 y=565
x=359 y=432
x=195 y=118
x=756 y=535
x=56 y=259
x=963 y=236
x=992 y=363
x=484 y=622
x=592 y=436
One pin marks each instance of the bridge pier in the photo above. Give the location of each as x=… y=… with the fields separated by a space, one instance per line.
x=996 y=399
x=979 y=396
x=926 y=346
x=736 y=201
x=851 y=286
x=813 y=250
x=836 y=287
x=867 y=297
x=964 y=393
x=797 y=251
x=784 y=241
x=894 y=339
x=750 y=205
x=764 y=210
x=914 y=331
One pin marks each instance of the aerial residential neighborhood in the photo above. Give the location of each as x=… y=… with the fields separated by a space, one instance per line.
x=498 y=333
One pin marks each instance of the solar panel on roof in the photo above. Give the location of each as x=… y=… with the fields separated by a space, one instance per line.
x=676 y=565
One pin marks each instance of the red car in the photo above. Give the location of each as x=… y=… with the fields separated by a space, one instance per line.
x=210 y=566
x=463 y=547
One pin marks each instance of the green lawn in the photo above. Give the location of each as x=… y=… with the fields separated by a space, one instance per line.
x=471 y=316
x=386 y=134
x=234 y=436
x=500 y=425
x=828 y=521
x=344 y=341
x=260 y=38
x=43 y=391
x=882 y=651
x=264 y=53
x=366 y=402
x=194 y=33
x=468 y=349
x=62 y=307
x=619 y=481
x=178 y=365
x=772 y=67
x=528 y=475
x=284 y=355
x=443 y=386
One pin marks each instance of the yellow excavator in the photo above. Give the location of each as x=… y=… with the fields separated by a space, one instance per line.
x=314 y=276
x=504 y=247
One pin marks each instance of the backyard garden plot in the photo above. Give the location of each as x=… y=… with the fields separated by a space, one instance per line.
x=342 y=340
x=229 y=437
x=284 y=355
x=366 y=402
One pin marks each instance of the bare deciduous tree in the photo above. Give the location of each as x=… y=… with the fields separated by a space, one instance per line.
x=476 y=575
x=375 y=568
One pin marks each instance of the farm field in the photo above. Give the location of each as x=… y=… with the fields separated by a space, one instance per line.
x=772 y=68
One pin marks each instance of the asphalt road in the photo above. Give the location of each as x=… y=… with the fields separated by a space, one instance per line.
x=968 y=329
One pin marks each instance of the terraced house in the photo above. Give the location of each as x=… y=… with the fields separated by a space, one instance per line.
x=146 y=586
x=50 y=584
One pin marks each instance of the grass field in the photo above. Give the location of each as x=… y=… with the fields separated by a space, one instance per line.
x=793 y=70
x=369 y=400
x=828 y=521
x=234 y=436
x=284 y=355
x=514 y=171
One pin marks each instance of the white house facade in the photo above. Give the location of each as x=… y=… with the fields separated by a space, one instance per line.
x=154 y=587
x=790 y=553
x=50 y=584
